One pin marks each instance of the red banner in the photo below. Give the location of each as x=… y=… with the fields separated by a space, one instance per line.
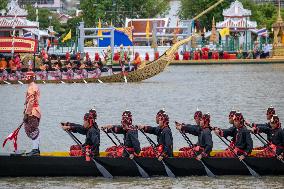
x=21 y=45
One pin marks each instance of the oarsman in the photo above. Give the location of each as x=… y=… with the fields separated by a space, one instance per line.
x=230 y=132
x=148 y=151
x=192 y=129
x=122 y=58
x=128 y=58
x=67 y=56
x=276 y=147
x=269 y=113
x=131 y=142
x=32 y=113
x=205 y=144
x=92 y=132
x=164 y=137
x=243 y=144
x=69 y=73
x=43 y=73
x=3 y=73
x=108 y=59
x=137 y=61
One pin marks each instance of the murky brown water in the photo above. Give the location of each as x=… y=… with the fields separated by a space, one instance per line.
x=180 y=89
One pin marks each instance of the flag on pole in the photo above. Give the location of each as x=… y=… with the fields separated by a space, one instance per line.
x=224 y=32
x=148 y=29
x=100 y=32
x=68 y=36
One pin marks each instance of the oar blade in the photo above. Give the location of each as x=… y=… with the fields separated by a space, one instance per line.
x=125 y=80
x=168 y=171
x=141 y=170
x=252 y=172
x=103 y=170
x=208 y=172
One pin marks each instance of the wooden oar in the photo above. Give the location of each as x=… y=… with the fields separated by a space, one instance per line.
x=252 y=172
x=208 y=171
x=7 y=82
x=265 y=143
x=20 y=82
x=101 y=169
x=142 y=172
x=109 y=137
x=154 y=146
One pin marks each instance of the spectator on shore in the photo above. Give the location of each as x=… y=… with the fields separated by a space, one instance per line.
x=250 y=55
x=266 y=50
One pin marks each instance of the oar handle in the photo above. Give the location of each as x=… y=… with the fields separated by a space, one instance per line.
x=121 y=144
x=230 y=148
x=152 y=143
x=259 y=135
x=109 y=137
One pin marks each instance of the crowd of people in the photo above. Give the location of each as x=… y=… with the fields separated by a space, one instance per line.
x=240 y=131
x=58 y=68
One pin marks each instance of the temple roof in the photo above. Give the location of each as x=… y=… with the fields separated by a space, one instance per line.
x=16 y=16
x=236 y=10
x=14 y=9
x=9 y=22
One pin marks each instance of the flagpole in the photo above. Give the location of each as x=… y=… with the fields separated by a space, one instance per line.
x=132 y=37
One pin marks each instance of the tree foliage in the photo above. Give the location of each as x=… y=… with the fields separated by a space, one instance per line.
x=43 y=18
x=3 y=4
x=117 y=10
x=265 y=15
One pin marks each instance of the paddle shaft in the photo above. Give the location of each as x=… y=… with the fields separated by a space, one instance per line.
x=101 y=169
x=208 y=171
x=142 y=172
x=252 y=172
x=154 y=146
x=109 y=137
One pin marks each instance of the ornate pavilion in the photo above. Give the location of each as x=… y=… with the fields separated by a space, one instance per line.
x=237 y=19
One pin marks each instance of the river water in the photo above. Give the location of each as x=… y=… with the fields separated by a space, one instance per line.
x=180 y=90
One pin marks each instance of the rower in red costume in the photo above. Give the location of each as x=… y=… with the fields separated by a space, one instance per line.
x=67 y=55
x=32 y=113
x=269 y=113
x=130 y=139
x=189 y=128
x=243 y=144
x=276 y=146
x=230 y=132
x=205 y=144
x=164 y=137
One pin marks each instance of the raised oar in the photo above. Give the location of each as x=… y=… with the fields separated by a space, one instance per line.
x=265 y=143
x=142 y=172
x=102 y=170
x=154 y=146
x=208 y=172
x=109 y=137
x=252 y=172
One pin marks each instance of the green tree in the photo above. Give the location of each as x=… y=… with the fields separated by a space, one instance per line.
x=43 y=18
x=3 y=4
x=117 y=10
x=265 y=14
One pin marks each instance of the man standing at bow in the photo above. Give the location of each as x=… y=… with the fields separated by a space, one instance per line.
x=32 y=113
